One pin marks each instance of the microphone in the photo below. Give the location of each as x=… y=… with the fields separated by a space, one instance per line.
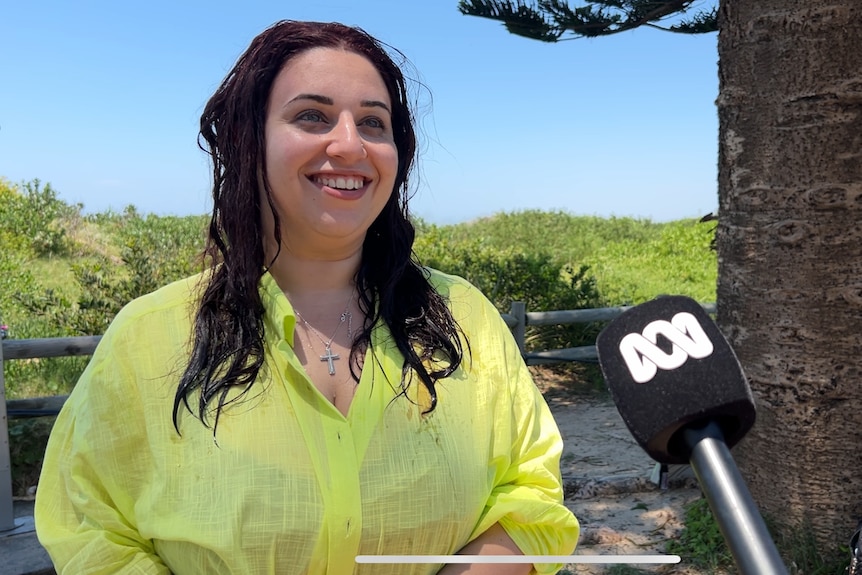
x=681 y=391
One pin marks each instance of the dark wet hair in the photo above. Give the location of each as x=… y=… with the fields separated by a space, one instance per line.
x=228 y=334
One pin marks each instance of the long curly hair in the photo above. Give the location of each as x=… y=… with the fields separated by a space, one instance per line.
x=228 y=333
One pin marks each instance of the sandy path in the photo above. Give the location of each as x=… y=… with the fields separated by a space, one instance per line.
x=606 y=474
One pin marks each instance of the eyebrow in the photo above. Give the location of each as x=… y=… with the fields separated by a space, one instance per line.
x=374 y=104
x=329 y=102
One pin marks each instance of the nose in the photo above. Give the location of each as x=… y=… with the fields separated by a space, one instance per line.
x=345 y=141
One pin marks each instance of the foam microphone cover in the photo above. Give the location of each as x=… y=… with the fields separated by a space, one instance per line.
x=668 y=368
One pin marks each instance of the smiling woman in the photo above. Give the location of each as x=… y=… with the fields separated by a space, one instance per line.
x=330 y=397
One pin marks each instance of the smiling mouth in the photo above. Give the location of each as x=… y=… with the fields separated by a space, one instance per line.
x=341 y=182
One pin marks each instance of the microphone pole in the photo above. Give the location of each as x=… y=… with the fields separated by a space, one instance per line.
x=731 y=503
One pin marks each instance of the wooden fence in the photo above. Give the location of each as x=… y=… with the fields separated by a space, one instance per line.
x=517 y=319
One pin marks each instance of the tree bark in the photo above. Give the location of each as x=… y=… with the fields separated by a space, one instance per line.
x=789 y=245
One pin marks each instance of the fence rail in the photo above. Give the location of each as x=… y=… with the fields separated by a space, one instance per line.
x=517 y=319
x=49 y=347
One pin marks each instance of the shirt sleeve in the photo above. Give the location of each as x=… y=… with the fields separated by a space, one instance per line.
x=527 y=497
x=95 y=462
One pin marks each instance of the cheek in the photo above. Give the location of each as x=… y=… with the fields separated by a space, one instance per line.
x=283 y=150
x=272 y=161
x=389 y=162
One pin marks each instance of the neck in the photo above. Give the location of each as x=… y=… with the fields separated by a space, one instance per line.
x=315 y=285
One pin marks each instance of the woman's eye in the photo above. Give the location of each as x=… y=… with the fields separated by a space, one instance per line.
x=375 y=123
x=311 y=116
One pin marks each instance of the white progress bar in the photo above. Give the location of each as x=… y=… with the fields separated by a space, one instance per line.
x=592 y=559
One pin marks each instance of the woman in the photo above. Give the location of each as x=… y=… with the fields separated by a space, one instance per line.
x=316 y=394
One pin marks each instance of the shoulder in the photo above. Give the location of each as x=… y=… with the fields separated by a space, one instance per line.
x=145 y=343
x=470 y=307
x=167 y=310
x=452 y=287
x=178 y=295
x=449 y=285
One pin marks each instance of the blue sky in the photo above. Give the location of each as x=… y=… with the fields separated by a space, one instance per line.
x=102 y=100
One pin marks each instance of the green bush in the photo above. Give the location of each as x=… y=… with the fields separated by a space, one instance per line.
x=15 y=278
x=569 y=237
x=35 y=214
x=632 y=260
x=132 y=256
x=153 y=251
x=678 y=260
x=505 y=276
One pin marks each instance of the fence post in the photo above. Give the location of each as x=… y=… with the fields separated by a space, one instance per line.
x=519 y=312
x=7 y=513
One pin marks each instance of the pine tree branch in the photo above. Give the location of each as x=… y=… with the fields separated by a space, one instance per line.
x=548 y=20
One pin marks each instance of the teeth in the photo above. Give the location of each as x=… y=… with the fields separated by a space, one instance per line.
x=341 y=182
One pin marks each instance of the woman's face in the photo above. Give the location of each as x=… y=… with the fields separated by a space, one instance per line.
x=331 y=159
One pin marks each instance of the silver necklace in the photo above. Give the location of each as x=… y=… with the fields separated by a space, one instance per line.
x=328 y=356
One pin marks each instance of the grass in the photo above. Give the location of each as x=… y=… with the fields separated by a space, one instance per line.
x=627 y=570
x=801 y=550
x=55 y=273
x=703 y=546
x=701 y=542
x=616 y=570
x=633 y=260
x=41 y=377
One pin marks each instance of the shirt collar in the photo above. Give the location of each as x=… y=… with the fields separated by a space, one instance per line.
x=279 y=317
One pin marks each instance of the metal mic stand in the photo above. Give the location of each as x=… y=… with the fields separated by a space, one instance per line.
x=738 y=518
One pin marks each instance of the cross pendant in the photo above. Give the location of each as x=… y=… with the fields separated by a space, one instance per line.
x=329 y=357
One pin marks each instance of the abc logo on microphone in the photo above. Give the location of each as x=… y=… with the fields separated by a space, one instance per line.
x=668 y=367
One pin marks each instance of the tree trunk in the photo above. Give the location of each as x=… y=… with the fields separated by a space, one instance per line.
x=790 y=252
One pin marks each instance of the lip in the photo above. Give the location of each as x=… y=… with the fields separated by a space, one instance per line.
x=341 y=193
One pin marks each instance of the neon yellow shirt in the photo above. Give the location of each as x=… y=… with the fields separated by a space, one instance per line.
x=293 y=486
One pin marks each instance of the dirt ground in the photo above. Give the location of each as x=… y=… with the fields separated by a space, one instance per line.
x=607 y=482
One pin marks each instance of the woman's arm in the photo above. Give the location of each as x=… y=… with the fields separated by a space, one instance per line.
x=94 y=464
x=524 y=513
x=494 y=541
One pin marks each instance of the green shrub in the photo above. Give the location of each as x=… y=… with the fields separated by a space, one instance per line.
x=34 y=213
x=153 y=251
x=15 y=278
x=632 y=260
x=133 y=255
x=505 y=276
x=679 y=260
x=567 y=236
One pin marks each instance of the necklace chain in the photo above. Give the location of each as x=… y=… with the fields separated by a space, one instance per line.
x=328 y=356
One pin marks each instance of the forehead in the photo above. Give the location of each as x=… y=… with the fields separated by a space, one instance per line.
x=331 y=72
